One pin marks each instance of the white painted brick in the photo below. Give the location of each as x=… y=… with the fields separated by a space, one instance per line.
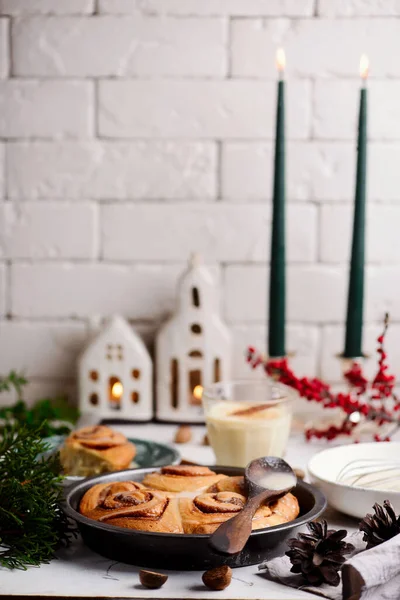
x=2 y=290
x=382 y=292
x=302 y=340
x=45 y=7
x=358 y=8
x=71 y=46
x=336 y=106
x=83 y=290
x=43 y=230
x=315 y=294
x=268 y=8
x=2 y=170
x=45 y=109
x=218 y=231
x=382 y=233
x=383 y=172
x=4 y=49
x=319 y=171
x=315 y=171
x=194 y=109
x=111 y=170
x=38 y=389
x=333 y=344
x=41 y=349
x=254 y=43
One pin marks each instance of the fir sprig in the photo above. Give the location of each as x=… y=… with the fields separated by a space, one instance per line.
x=32 y=524
x=13 y=380
x=49 y=416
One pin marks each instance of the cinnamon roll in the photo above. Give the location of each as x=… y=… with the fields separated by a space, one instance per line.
x=182 y=478
x=94 y=450
x=282 y=511
x=128 y=504
x=206 y=512
x=229 y=484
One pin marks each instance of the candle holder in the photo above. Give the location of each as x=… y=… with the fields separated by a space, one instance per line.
x=115 y=375
x=193 y=348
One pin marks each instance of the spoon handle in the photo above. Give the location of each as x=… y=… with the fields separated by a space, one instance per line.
x=231 y=536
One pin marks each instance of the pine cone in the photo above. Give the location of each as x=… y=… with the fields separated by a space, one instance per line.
x=381 y=526
x=319 y=555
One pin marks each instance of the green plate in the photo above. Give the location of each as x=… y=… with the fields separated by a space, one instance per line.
x=153 y=454
x=148 y=454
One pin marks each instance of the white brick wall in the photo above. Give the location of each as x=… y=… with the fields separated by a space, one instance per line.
x=40 y=230
x=136 y=46
x=317 y=47
x=116 y=170
x=269 y=8
x=46 y=109
x=46 y=7
x=220 y=232
x=133 y=132
x=4 y=48
x=191 y=109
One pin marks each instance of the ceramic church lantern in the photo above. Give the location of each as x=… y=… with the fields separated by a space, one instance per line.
x=193 y=348
x=115 y=375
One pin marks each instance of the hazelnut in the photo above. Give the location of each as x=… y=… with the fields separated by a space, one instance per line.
x=218 y=578
x=299 y=473
x=206 y=441
x=183 y=435
x=151 y=579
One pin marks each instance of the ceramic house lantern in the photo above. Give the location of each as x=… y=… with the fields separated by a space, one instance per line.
x=115 y=375
x=193 y=348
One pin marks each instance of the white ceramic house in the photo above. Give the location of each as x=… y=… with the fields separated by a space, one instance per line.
x=115 y=374
x=193 y=348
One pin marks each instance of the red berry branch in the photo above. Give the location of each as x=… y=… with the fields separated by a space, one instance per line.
x=373 y=402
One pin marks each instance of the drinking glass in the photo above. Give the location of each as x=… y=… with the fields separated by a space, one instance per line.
x=247 y=419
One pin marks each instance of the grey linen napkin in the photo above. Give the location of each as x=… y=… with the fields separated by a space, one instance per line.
x=278 y=569
x=369 y=575
x=374 y=574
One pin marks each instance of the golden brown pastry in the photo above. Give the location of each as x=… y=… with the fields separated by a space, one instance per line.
x=182 y=478
x=229 y=484
x=128 y=504
x=206 y=512
x=94 y=450
x=283 y=510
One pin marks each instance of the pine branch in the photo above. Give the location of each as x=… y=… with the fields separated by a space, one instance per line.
x=32 y=524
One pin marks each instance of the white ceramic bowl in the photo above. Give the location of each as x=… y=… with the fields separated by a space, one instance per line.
x=325 y=466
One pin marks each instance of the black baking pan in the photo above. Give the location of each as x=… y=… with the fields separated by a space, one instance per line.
x=184 y=551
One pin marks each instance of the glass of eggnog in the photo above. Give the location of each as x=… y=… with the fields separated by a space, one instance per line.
x=247 y=420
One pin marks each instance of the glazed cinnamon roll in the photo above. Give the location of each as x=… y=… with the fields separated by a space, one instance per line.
x=94 y=450
x=229 y=484
x=182 y=478
x=204 y=513
x=128 y=504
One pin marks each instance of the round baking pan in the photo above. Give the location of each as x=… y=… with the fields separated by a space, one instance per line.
x=184 y=551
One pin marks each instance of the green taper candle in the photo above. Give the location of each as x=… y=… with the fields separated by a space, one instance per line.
x=355 y=300
x=277 y=283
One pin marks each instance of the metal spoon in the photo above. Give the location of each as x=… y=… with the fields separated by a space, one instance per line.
x=266 y=478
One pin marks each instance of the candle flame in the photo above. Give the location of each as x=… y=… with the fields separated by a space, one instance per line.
x=117 y=390
x=364 y=66
x=198 y=392
x=280 y=60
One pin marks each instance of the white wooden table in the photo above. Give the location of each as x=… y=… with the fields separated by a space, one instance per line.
x=81 y=573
